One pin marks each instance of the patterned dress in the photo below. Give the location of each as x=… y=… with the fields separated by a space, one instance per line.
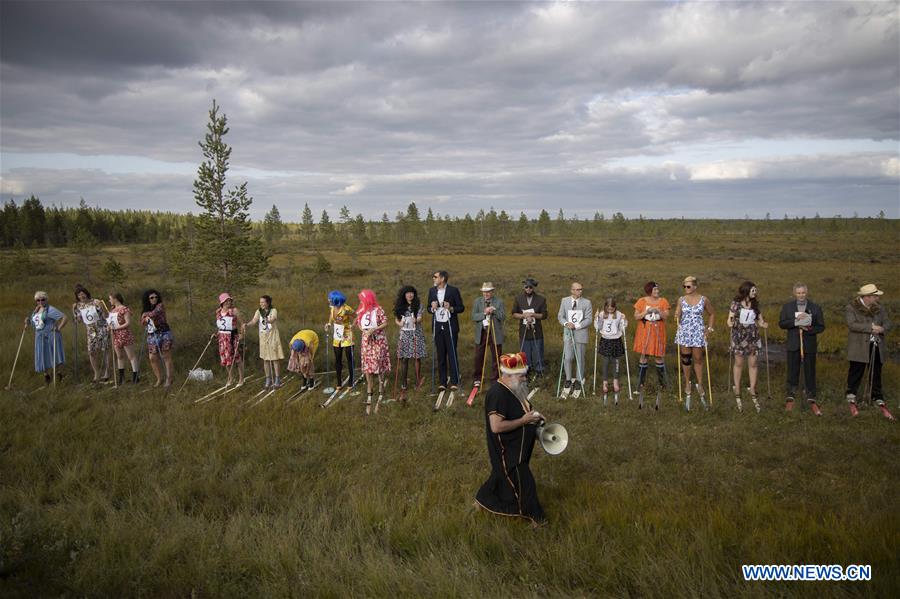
x=121 y=335
x=47 y=340
x=650 y=335
x=91 y=314
x=691 y=327
x=226 y=323
x=269 y=338
x=412 y=342
x=159 y=335
x=341 y=320
x=375 y=356
x=745 y=332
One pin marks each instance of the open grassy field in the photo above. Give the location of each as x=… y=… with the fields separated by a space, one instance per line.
x=133 y=493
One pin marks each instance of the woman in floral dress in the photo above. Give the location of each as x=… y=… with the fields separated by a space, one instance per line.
x=93 y=314
x=160 y=340
x=119 y=321
x=745 y=320
x=376 y=361
x=411 y=346
x=691 y=336
x=229 y=325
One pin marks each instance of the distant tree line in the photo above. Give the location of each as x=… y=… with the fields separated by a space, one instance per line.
x=33 y=224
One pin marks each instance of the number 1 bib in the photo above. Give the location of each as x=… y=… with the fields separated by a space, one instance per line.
x=748 y=317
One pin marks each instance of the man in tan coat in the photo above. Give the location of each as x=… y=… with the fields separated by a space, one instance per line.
x=867 y=323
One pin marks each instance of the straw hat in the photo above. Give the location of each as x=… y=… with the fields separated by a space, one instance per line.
x=487 y=286
x=869 y=289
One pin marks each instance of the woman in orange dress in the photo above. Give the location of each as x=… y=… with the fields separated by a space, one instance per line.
x=650 y=313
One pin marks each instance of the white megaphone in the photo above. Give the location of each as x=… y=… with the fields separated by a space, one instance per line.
x=554 y=437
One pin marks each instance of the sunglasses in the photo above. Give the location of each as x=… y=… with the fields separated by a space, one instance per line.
x=42 y=300
x=154 y=297
x=528 y=287
x=688 y=286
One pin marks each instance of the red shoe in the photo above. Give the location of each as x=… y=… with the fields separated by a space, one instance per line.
x=789 y=405
x=815 y=408
x=853 y=411
x=887 y=414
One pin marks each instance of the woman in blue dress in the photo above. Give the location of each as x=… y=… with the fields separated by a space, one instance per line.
x=691 y=336
x=47 y=323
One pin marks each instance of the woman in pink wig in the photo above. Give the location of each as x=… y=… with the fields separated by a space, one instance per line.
x=372 y=320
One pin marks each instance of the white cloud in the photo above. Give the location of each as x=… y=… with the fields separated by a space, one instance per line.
x=349 y=190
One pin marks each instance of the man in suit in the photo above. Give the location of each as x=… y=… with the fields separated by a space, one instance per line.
x=576 y=315
x=530 y=309
x=445 y=305
x=488 y=315
x=803 y=320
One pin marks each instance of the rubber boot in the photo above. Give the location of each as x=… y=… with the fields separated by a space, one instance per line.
x=121 y=377
x=135 y=378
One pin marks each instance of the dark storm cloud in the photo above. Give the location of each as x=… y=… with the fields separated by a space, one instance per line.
x=519 y=101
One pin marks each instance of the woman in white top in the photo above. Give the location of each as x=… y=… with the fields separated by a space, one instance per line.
x=270 y=350
x=610 y=325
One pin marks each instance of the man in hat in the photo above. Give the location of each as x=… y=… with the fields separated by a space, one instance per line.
x=803 y=320
x=302 y=361
x=867 y=324
x=511 y=430
x=445 y=305
x=488 y=315
x=575 y=315
x=530 y=309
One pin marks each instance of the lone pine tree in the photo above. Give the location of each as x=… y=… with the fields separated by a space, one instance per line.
x=227 y=252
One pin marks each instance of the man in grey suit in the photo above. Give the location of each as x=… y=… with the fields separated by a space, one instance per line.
x=488 y=316
x=575 y=315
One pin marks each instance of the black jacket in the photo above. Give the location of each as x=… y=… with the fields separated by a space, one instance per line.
x=453 y=297
x=786 y=321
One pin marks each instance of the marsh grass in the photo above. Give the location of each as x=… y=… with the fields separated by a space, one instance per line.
x=133 y=493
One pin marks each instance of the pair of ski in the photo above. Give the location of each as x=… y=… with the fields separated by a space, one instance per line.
x=266 y=393
x=224 y=390
x=641 y=398
x=299 y=394
x=571 y=392
x=450 y=394
x=338 y=395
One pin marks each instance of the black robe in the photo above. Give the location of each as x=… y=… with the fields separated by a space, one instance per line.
x=510 y=490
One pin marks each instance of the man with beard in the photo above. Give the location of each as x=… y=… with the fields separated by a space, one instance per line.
x=530 y=309
x=511 y=428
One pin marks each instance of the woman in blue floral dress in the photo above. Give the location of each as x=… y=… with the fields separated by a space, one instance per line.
x=691 y=336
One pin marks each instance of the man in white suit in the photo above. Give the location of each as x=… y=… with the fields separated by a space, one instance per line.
x=575 y=315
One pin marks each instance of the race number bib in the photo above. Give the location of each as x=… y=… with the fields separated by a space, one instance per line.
x=442 y=315
x=264 y=325
x=802 y=319
x=368 y=321
x=89 y=315
x=748 y=317
x=409 y=323
x=529 y=316
x=575 y=316
x=151 y=326
x=113 y=321
x=610 y=326
x=37 y=321
x=652 y=316
x=338 y=332
x=224 y=323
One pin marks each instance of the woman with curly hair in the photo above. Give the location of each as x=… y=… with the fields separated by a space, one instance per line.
x=745 y=320
x=92 y=313
x=408 y=311
x=159 y=336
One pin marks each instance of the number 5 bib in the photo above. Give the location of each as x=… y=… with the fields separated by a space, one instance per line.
x=368 y=321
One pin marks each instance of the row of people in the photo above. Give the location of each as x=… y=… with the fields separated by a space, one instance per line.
x=802 y=319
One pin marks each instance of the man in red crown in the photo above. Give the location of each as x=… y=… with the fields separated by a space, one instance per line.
x=511 y=427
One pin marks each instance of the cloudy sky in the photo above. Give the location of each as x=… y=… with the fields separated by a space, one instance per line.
x=659 y=108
